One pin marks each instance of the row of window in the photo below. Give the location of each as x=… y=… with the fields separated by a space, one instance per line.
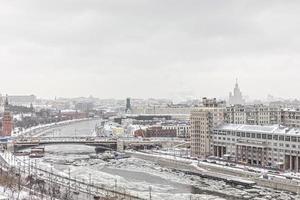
x=261 y=136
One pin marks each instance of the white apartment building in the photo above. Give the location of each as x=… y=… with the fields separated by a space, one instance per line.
x=291 y=117
x=262 y=115
x=253 y=114
x=161 y=110
x=267 y=146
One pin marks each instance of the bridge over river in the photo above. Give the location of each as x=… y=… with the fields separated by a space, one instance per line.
x=116 y=144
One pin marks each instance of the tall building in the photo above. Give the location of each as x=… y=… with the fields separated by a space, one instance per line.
x=203 y=119
x=236 y=97
x=128 y=105
x=7 y=120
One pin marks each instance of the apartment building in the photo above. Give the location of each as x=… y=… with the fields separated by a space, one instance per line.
x=262 y=115
x=290 y=117
x=182 y=129
x=253 y=114
x=273 y=146
x=202 y=120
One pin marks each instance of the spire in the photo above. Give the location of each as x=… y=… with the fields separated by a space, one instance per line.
x=6 y=104
x=6 y=100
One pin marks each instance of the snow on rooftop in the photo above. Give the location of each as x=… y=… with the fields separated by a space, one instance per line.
x=276 y=129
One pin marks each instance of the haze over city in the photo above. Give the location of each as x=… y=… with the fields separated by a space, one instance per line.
x=170 y=49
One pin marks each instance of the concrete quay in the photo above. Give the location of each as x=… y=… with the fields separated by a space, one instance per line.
x=228 y=174
x=193 y=169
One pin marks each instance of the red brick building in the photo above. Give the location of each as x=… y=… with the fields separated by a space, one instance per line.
x=158 y=131
x=139 y=133
x=7 y=121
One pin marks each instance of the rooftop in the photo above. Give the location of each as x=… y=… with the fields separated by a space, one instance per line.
x=274 y=129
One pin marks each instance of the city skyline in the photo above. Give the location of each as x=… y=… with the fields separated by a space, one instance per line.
x=149 y=48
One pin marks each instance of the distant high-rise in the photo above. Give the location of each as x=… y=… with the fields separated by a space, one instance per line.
x=128 y=105
x=237 y=97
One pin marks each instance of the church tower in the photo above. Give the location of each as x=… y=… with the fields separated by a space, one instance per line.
x=7 y=120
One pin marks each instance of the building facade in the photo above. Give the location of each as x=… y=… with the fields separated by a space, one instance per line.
x=273 y=146
x=182 y=129
x=253 y=114
x=291 y=117
x=202 y=120
x=262 y=115
x=159 y=131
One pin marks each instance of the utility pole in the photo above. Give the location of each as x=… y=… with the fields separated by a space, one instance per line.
x=90 y=185
x=69 y=181
x=150 y=195
x=24 y=165
x=115 y=187
x=29 y=166
x=35 y=167
x=19 y=179
x=51 y=184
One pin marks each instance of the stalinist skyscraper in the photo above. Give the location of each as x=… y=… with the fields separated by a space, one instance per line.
x=237 y=97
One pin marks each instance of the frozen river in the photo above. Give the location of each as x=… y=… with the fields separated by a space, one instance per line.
x=138 y=176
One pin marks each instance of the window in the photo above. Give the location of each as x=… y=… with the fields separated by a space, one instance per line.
x=258 y=135
x=287 y=138
x=275 y=137
x=247 y=135
x=269 y=137
x=264 y=136
x=243 y=134
x=252 y=135
x=281 y=137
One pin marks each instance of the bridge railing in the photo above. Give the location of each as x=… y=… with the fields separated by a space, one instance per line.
x=60 y=139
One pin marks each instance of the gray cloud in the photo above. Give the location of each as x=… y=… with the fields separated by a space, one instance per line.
x=148 y=48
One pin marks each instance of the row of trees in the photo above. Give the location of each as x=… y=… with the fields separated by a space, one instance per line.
x=13 y=184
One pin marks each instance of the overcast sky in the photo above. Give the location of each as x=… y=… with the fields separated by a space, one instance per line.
x=149 y=48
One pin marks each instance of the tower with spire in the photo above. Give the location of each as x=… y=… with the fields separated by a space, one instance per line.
x=237 y=96
x=7 y=120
